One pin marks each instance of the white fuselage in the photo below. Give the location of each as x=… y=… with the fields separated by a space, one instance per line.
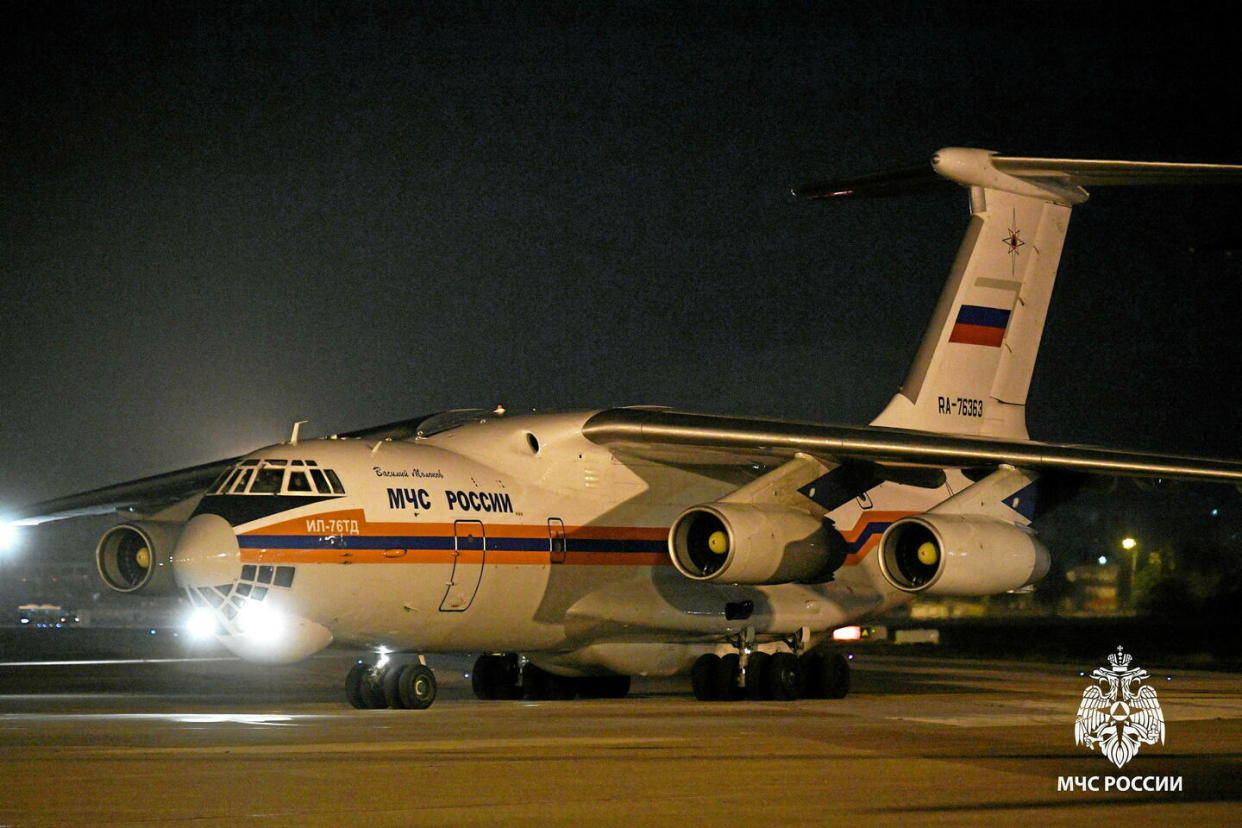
x=514 y=534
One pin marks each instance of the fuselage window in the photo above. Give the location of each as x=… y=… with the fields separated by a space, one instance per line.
x=299 y=482
x=268 y=481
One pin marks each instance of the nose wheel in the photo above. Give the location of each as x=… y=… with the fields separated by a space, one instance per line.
x=410 y=686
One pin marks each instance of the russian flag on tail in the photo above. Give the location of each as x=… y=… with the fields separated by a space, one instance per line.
x=977 y=325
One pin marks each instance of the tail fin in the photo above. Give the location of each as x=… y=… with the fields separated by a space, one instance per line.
x=973 y=369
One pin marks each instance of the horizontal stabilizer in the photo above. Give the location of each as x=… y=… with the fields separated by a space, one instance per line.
x=1058 y=179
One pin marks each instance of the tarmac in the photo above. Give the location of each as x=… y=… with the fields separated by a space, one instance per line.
x=919 y=741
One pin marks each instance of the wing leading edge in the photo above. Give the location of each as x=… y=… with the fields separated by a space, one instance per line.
x=665 y=435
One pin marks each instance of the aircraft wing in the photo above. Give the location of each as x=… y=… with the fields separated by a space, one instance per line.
x=154 y=492
x=680 y=437
x=148 y=492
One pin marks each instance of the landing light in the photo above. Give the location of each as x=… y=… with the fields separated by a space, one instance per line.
x=1103 y=560
x=201 y=624
x=261 y=622
x=9 y=537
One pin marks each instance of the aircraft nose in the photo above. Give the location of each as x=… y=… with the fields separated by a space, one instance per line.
x=206 y=554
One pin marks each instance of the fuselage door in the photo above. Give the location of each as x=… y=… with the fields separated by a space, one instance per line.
x=469 y=553
x=556 y=540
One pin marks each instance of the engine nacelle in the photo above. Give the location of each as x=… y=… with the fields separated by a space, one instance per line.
x=751 y=543
x=137 y=556
x=960 y=555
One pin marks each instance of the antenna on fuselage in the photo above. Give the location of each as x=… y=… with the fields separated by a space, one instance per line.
x=297 y=427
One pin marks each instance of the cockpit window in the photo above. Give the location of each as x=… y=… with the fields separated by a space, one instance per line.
x=321 y=483
x=337 y=488
x=275 y=476
x=299 y=482
x=268 y=481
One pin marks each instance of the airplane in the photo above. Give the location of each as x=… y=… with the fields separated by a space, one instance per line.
x=577 y=549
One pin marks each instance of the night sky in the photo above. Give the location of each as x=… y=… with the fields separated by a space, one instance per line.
x=219 y=219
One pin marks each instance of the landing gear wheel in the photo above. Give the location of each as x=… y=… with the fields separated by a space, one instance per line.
x=836 y=676
x=813 y=675
x=703 y=676
x=604 y=687
x=417 y=686
x=784 y=679
x=361 y=688
x=757 y=677
x=496 y=677
x=389 y=688
x=540 y=685
x=728 y=669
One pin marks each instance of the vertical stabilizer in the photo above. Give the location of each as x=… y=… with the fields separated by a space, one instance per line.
x=973 y=369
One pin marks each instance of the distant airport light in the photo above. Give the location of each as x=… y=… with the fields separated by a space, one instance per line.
x=850 y=633
x=201 y=624
x=1128 y=544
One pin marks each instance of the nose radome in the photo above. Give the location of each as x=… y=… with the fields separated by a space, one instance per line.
x=206 y=554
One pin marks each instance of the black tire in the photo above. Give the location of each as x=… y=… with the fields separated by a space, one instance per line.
x=757 y=677
x=361 y=689
x=784 y=677
x=353 y=686
x=703 y=676
x=835 y=676
x=486 y=677
x=813 y=675
x=540 y=685
x=417 y=686
x=728 y=669
x=389 y=687
x=604 y=687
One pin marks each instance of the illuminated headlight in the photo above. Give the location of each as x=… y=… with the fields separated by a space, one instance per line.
x=201 y=624
x=8 y=537
x=261 y=622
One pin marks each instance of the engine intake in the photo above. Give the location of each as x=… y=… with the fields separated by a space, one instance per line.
x=960 y=555
x=749 y=543
x=133 y=557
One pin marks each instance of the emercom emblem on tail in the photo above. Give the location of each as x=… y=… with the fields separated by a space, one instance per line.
x=972 y=371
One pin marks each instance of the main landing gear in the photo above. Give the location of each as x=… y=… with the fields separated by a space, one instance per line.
x=399 y=686
x=756 y=675
x=504 y=677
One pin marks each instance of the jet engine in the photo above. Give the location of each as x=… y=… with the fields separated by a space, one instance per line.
x=963 y=555
x=137 y=556
x=754 y=543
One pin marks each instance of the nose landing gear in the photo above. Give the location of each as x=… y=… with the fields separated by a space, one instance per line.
x=399 y=686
